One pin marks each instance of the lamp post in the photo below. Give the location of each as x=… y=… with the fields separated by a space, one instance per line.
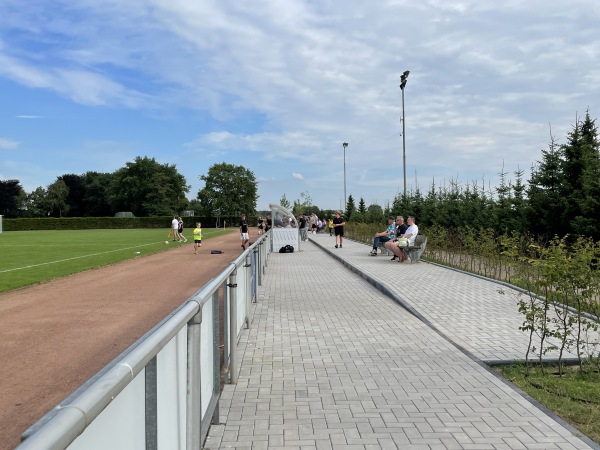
x=403 y=79
x=345 y=144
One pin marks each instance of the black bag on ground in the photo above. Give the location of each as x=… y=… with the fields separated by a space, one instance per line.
x=286 y=249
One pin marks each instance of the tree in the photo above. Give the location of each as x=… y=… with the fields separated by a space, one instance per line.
x=57 y=198
x=545 y=212
x=229 y=190
x=147 y=188
x=285 y=202
x=588 y=202
x=362 y=211
x=350 y=208
x=36 y=203
x=374 y=214
x=76 y=195
x=302 y=204
x=95 y=202
x=12 y=197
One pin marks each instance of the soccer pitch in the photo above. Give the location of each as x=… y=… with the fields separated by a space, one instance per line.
x=29 y=257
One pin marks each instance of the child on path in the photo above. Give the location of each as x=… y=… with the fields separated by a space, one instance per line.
x=197 y=237
x=330 y=226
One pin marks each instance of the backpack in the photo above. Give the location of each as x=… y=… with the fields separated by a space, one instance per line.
x=286 y=249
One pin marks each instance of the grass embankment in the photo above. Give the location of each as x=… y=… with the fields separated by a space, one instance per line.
x=30 y=257
x=575 y=396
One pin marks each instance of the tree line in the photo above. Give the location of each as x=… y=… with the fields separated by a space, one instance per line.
x=143 y=187
x=562 y=195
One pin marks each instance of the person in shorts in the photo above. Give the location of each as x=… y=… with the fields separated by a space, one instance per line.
x=338 y=227
x=261 y=225
x=182 y=238
x=175 y=228
x=197 y=237
x=244 y=235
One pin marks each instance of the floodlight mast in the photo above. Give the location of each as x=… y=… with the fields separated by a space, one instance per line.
x=345 y=144
x=403 y=79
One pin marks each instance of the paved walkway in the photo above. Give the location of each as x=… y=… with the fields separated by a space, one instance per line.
x=332 y=362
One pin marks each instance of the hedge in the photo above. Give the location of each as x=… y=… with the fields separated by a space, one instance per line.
x=95 y=223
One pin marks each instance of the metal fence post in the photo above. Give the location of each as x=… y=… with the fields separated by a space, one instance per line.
x=232 y=285
x=259 y=262
x=194 y=383
x=151 y=405
x=248 y=295
x=216 y=355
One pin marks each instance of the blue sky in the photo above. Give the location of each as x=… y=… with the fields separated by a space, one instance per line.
x=278 y=86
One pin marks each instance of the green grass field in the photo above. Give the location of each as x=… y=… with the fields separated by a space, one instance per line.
x=29 y=257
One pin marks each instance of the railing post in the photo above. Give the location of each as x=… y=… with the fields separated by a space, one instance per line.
x=151 y=405
x=248 y=296
x=226 y=325
x=194 y=384
x=232 y=285
x=216 y=355
x=258 y=267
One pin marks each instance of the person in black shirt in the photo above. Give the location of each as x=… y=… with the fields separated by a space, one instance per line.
x=269 y=223
x=261 y=225
x=244 y=235
x=338 y=227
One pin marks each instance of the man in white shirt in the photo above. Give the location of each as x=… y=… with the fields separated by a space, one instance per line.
x=175 y=228
x=410 y=234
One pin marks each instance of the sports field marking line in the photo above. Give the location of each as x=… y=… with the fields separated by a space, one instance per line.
x=75 y=257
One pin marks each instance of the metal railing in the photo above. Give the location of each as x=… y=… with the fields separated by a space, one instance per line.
x=164 y=391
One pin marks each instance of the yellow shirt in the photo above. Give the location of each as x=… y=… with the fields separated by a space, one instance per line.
x=197 y=234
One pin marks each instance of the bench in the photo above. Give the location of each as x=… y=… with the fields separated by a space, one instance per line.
x=416 y=250
x=383 y=248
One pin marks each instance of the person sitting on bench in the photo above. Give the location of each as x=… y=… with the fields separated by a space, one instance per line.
x=384 y=236
x=410 y=234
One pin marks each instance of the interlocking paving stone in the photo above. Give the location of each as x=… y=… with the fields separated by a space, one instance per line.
x=468 y=310
x=330 y=362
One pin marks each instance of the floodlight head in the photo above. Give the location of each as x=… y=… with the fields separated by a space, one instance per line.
x=345 y=144
x=403 y=79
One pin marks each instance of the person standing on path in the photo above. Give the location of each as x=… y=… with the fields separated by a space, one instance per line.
x=261 y=225
x=338 y=226
x=269 y=224
x=313 y=223
x=175 y=228
x=197 y=237
x=244 y=236
x=330 y=226
x=303 y=225
x=180 y=230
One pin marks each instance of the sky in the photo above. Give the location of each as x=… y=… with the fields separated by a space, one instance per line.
x=278 y=86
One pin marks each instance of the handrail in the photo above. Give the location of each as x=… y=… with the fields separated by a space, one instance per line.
x=72 y=419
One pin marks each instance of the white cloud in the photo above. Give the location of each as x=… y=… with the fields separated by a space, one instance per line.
x=6 y=144
x=280 y=86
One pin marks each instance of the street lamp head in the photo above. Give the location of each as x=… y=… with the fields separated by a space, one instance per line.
x=345 y=144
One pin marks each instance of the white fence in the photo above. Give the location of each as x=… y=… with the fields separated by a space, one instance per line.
x=163 y=392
